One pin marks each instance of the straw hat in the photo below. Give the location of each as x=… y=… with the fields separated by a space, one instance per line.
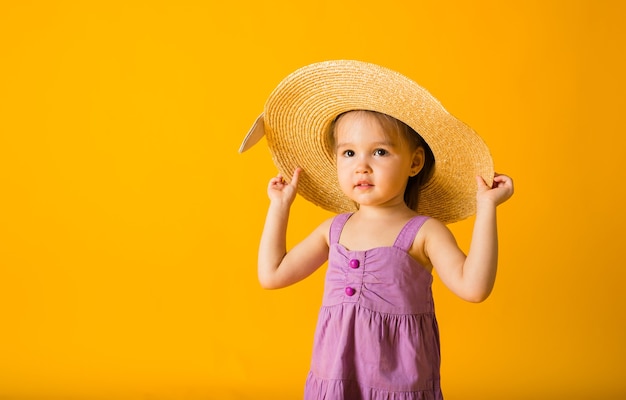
x=298 y=116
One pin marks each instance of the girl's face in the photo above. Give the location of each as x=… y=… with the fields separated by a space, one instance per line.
x=373 y=166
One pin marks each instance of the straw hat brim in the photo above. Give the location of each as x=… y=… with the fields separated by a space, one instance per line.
x=300 y=111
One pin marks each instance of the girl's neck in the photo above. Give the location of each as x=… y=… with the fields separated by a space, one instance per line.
x=374 y=226
x=399 y=211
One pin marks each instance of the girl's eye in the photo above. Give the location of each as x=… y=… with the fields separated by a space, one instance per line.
x=380 y=152
x=348 y=153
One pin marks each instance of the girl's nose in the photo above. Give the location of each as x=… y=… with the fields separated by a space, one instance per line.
x=363 y=166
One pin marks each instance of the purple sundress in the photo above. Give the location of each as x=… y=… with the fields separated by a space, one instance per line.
x=377 y=335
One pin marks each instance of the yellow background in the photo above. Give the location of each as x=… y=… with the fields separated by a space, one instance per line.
x=129 y=223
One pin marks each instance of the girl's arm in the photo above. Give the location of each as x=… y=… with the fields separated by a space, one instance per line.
x=278 y=268
x=471 y=277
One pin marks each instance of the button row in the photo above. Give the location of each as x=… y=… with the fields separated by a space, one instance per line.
x=354 y=264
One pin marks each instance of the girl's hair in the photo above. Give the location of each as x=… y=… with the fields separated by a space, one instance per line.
x=393 y=126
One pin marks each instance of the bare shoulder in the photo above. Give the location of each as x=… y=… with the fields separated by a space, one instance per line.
x=323 y=229
x=433 y=226
x=432 y=234
x=436 y=233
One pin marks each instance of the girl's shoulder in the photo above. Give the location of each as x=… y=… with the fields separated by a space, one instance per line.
x=323 y=229
x=326 y=224
x=431 y=230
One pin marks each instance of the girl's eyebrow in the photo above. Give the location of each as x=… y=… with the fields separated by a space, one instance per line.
x=385 y=143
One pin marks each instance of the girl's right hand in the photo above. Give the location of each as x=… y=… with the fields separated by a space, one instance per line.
x=282 y=191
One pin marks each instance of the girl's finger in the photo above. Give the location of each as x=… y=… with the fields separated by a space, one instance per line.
x=296 y=176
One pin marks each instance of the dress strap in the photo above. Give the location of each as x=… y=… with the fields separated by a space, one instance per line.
x=407 y=235
x=337 y=226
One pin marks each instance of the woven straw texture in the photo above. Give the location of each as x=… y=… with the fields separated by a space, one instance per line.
x=299 y=113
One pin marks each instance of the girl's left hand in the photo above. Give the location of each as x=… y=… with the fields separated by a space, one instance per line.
x=498 y=193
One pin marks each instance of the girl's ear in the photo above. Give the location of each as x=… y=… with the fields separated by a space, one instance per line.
x=418 y=161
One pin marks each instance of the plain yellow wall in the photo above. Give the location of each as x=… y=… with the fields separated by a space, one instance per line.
x=129 y=223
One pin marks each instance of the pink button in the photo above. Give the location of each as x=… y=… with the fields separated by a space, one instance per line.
x=350 y=291
x=354 y=263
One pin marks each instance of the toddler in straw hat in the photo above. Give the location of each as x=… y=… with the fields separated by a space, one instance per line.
x=375 y=147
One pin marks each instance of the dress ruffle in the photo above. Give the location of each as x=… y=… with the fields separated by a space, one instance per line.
x=336 y=389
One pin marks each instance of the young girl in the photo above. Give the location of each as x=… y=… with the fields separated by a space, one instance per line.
x=377 y=335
